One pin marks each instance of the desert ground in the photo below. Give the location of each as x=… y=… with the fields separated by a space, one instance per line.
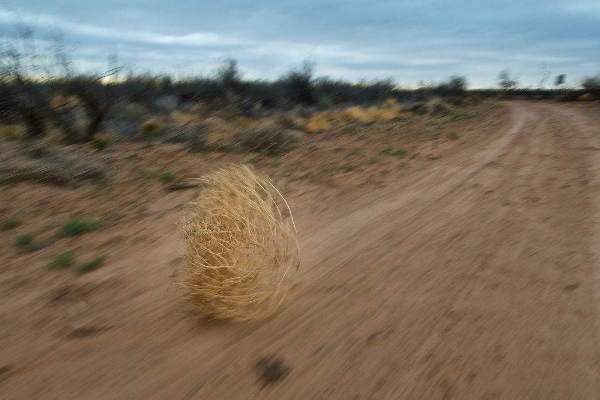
x=442 y=258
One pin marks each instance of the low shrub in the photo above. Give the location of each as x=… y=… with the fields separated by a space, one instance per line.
x=167 y=177
x=270 y=140
x=91 y=265
x=26 y=244
x=151 y=127
x=12 y=132
x=100 y=142
x=77 y=226
x=10 y=224
x=318 y=122
x=62 y=260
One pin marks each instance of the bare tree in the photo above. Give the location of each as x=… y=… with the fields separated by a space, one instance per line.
x=505 y=80
x=19 y=67
x=546 y=74
x=591 y=82
x=299 y=83
x=229 y=75
x=29 y=79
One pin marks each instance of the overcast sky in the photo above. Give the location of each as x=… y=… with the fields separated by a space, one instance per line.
x=408 y=41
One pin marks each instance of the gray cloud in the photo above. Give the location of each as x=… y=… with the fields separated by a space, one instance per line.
x=408 y=41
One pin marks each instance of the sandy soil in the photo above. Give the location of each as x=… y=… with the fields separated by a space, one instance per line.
x=470 y=276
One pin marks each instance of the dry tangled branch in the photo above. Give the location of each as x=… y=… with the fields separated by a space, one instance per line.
x=240 y=247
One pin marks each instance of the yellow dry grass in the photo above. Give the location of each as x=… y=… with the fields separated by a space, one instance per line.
x=59 y=100
x=382 y=114
x=151 y=127
x=318 y=122
x=54 y=135
x=13 y=132
x=325 y=120
x=182 y=118
x=253 y=123
x=241 y=246
x=358 y=114
x=390 y=102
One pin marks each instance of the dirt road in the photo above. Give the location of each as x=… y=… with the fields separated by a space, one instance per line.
x=476 y=277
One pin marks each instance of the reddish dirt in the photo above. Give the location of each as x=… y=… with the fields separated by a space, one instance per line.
x=470 y=276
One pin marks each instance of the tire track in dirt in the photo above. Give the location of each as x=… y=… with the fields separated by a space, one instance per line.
x=452 y=228
x=584 y=131
x=511 y=173
x=520 y=169
x=470 y=279
x=437 y=185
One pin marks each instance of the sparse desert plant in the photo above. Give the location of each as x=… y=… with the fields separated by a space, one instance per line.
x=319 y=122
x=348 y=167
x=506 y=81
x=12 y=132
x=269 y=140
x=359 y=114
x=460 y=117
x=10 y=224
x=453 y=136
x=290 y=121
x=26 y=244
x=62 y=260
x=61 y=100
x=54 y=136
x=390 y=102
x=455 y=85
x=23 y=240
x=240 y=247
x=77 y=226
x=151 y=127
x=382 y=114
x=100 y=142
x=167 y=177
x=199 y=145
x=91 y=265
x=229 y=76
x=591 y=83
x=437 y=107
x=182 y=119
x=298 y=83
x=38 y=149
x=25 y=73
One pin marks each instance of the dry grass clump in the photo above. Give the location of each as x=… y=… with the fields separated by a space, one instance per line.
x=240 y=247
x=390 y=102
x=359 y=114
x=290 y=120
x=326 y=120
x=437 y=106
x=12 y=132
x=151 y=127
x=101 y=141
x=59 y=100
x=383 y=114
x=182 y=118
x=318 y=122
x=270 y=139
